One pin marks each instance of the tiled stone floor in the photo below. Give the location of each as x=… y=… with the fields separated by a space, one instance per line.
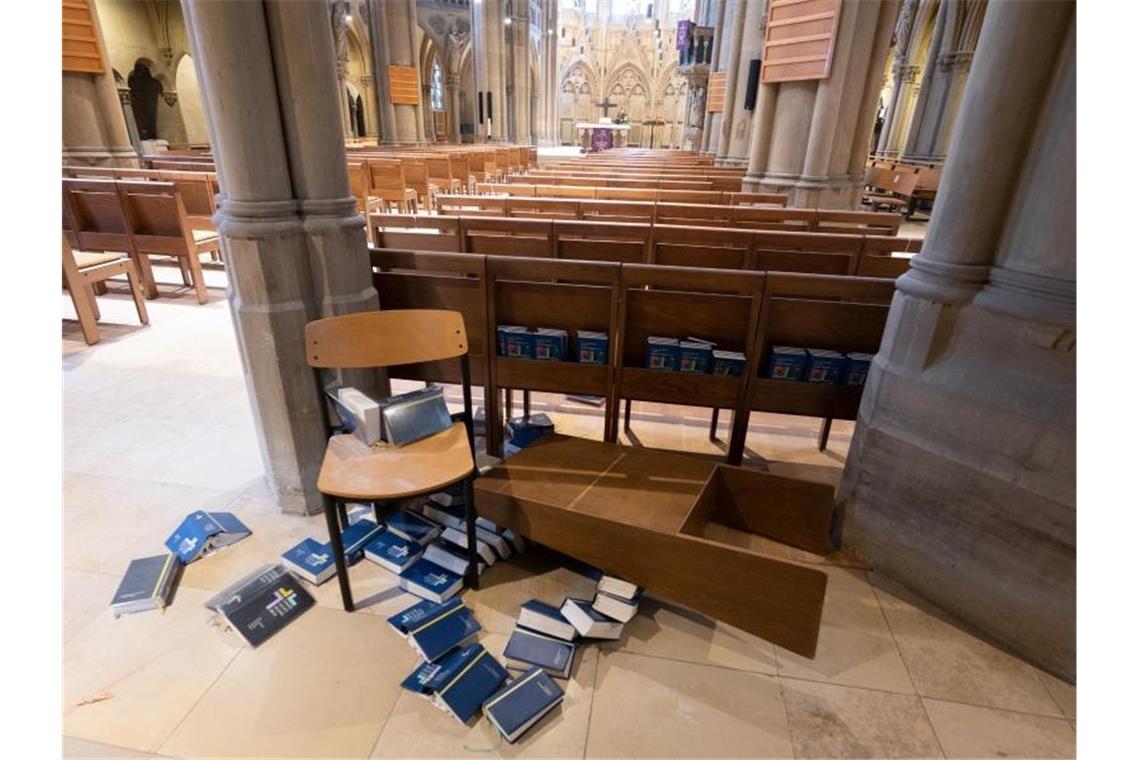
x=157 y=423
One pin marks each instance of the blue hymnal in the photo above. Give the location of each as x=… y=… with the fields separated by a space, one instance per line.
x=418 y=614
x=443 y=632
x=522 y=703
x=453 y=662
x=233 y=529
x=549 y=344
x=662 y=353
x=192 y=537
x=695 y=356
x=430 y=581
x=412 y=527
x=856 y=369
x=824 y=366
x=541 y=617
x=311 y=560
x=729 y=363
x=527 y=648
x=465 y=692
x=524 y=431
x=355 y=537
x=392 y=552
x=515 y=341
x=588 y=621
x=593 y=347
x=787 y=363
x=418 y=681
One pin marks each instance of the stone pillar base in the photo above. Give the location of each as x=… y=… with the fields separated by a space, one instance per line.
x=121 y=157
x=829 y=193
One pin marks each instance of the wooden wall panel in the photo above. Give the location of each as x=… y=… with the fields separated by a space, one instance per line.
x=404 y=85
x=80 y=39
x=717 y=81
x=799 y=40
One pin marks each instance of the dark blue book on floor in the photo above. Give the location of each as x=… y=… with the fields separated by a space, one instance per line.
x=522 y=703
x=233 y=529
x=262 y=603
x=430 y=581
x=589 y=622
x=418 y=614
x=444 y=632
x=464 y=693
x=356 y=536
x=192 y=537
x=417 y=681
x=451 y=663
x=542 y=617
x=147 y=585
x=311 y=560
x=392 y=552
x=527 y=648
x=412 y=527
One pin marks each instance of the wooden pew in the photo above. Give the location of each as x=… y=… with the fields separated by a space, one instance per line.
x=93 y=212
x=705 y=247
x=417 y=232
x=507 y=237
x=614 y=242
x=878 y=257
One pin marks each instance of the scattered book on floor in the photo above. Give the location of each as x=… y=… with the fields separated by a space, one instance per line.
x=355 y=537
x=582 y=399
x=412 y=527
x=311 y=560
x=463 y=692
x=615 y=607
x=392 y=552
x=358 y=512
x=457 y=537
x=413 y=416
x=428 y=580
x=527 y=648
x=522 y=703
x=542 y=617
x=233 y=530
x=451 y=516
x=443 y=632
x=191 y=539
x=452 y=496
x=615 y=586
x=148 y=584
x=488 y=525
x=524 y=431
x=405 y=620
x=418 y=680
x=518 y=543
x=500 y=544
x=450 y=557
x=590 y=623
x=262 y=603
x=450 y=665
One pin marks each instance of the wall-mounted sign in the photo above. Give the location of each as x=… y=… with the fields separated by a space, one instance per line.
x=403 y=85
x=799 y=40
x=80 y=39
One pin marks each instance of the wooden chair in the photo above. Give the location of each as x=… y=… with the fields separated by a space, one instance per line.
x=158 y=226
x=354 y=471
x=81 y=272
x=416 y=178
x=386 y=183
x=95 y=223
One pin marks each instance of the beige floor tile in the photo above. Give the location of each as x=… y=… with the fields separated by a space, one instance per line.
x=142 y=673
x=416 y=728
x=86 y=595
x=855 y=645
x=322 y=687
x=838 y=721
x=1064 y=694
x=82 y=749
x=948 y=663
x=664 y=629
x=505 y=586
x=650 y=707
x=970 y=731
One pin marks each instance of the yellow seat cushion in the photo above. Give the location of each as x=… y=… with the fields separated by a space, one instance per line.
x=84 y=260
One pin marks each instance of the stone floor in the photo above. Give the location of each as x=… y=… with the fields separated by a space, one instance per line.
x=157 y=424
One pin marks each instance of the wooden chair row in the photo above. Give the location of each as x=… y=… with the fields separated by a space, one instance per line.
x=586 y=192
x=198 y=189
x=140 y=218
x=656 y=212
x=634 y=243
x=747 y=312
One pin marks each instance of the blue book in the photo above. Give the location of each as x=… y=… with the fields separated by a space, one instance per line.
x=527 y=648
x=549 y=344
x=522 y=703
x=428 y=580
x=453 y=662
x=411 y=527
x=417 y=614
x=355 y=537
x=593 y=347
x=192 y=537
x=515 y=341
x=442 y=633
x=417 y=682
x=523 y=431
x=392 y=552
x=694 y=356
x=589 y=622
x=541 y=617
x=787 y=363
x=824 y=366
x=857 y=368
x=662 y=353
x=311 y=560
x=233 y=529
x=730 y=363
x=464 y=693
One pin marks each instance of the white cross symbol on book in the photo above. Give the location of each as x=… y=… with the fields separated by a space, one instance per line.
x=401 y=552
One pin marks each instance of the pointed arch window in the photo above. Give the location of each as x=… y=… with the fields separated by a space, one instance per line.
x=436 y=85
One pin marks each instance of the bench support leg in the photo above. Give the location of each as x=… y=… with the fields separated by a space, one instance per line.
x=337 y=547
x=824 y=432
x=713 y=423
x=628 y=407
x=526 y=403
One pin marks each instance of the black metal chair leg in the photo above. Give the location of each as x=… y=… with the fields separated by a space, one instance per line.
x=472 y=554
x=526 y=403
x=628 y=406
x=337 y=547
x=508 y=398
x=713 y=424
x=342 y=514
x=824 y=432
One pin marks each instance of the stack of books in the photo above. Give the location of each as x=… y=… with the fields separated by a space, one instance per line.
x=617 y=599
x=818 y=365
x=201 y=533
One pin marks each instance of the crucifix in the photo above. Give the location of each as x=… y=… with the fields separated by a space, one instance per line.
x=606 y=105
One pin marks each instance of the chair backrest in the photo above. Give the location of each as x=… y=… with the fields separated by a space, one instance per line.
x=416 y=175
x=385 y=338
x=460 y=167
x=358 y=183
x=439 y=167
x=197 y=194
x=156 y=217
x=386 y=179
x=94 y=212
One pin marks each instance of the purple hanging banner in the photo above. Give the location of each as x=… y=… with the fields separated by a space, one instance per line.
x=684 y=32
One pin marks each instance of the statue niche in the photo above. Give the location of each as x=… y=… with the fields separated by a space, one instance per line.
x=145 y=90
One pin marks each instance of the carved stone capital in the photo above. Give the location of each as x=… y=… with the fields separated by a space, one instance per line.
x=124 y=96
x=170 y=98
x=959 y=60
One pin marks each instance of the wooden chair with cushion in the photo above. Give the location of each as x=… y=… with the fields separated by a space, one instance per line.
x=354 y=471
x=82 y=271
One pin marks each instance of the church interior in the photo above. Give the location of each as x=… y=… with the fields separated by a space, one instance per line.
x=748 y=334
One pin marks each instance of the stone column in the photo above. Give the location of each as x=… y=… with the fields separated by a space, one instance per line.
x=94 y=129
x=519 y=31
x=429 y=112
x=340 y=13
x=451 y=89
x=368 y=87
x=810 y=139
x=718 y=14
x=736 y=129
x=490 y=70
x=394 y=40
x=293 y=242
x=960 y=481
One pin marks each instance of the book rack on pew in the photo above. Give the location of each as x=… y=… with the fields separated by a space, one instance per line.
x=747 y=312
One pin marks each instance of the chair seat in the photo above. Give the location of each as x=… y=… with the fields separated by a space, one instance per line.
x=354 y=470
x=85 y=260
x=204 y=240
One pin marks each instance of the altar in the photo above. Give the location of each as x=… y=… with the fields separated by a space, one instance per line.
x=602 y=135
